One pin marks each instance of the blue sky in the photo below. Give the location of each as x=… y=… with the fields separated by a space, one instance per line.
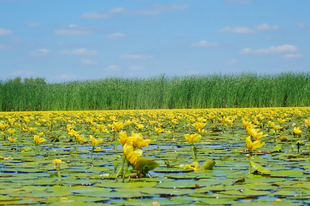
x=79 y=40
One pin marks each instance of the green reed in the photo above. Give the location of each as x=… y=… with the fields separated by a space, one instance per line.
x=196 y=91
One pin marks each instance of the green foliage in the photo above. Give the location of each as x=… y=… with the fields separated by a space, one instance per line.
x=207 y=165
x=143 y=166
x=160 y=92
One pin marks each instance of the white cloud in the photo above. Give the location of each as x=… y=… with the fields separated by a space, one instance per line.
x=112 y=68
x=102 y=15
x=16 y=40
x=88 y=62
x=135 y=68
x=266 y=27
x=33 y=24
x=239 y=1
x=80 y=52
x=203 y=44
x=192 y=73
x=270 y=50
x=116 y=10
x=67 y=77
x=154 y=10
x=245 y=51
x=158 y=9
x=247 y=30
x=135 y=56
x=40 y=52
x=4 y=47
x=73 y=30
x=239 y=30
x=292 y=56
x=232 y=61
x=300 y=25
x=116 y=36
x=5 y=32
x=23 y=73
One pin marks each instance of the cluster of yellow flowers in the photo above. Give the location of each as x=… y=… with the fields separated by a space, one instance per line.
x=45 y=127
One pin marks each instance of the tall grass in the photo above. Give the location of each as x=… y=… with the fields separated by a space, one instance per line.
x=198 y=91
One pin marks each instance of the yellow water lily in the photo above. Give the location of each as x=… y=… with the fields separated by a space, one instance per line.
x=251 y=146
x=80 y=139
x=118 y=125
x=73 y=133
x=131 y=154
x=158 y=130
x=191 y=167
x=57 y=161
x=191 y=138
x=123 y=138
x=296 y=131
x=11 y=139
x=38 y=140
x=140 y=126
x=256 y=134
x=307 y=121
x=94 y=141
x=199 y=125
x=137 y=140
x=11 y=131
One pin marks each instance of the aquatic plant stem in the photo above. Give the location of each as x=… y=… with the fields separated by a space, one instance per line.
x=194 y=153
x=126 y=168
x=91 y=154
x=120 y=171
x=59 y=177
x=250 y=162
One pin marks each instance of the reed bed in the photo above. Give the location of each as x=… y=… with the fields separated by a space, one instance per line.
x=160 y=92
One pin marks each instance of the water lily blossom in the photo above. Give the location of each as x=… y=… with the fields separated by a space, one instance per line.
x=11 y=139
x=38 y=140
x=191 y=138
x=251 y=146
x=296 y=131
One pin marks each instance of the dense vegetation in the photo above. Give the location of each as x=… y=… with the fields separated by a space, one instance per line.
x=198 y=91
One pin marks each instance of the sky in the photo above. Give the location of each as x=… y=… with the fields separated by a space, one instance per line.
x=87 y=40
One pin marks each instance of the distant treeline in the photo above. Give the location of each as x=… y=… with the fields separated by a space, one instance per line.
x=198 y=91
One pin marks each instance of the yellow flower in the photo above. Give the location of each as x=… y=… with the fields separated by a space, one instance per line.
x=72 y=132
x=191 y=138
x=122 y=138
x=255 y=134
x=57 y=161
x=118 y=125
x=276 y=127
x=11 y=131
x=38 y=140
x=130 y=154
x=281 y=121
x=24 y=128
x=138 y=141
x=140 y=126
x=199 y=125
x=80 y=138
x=158 y=130
x=307 y=121
x=98 y=149
x=253 y=145
x=31 y=129
x=94 y=129
x=94 y=141
x=12 y=140
x=192 y=168
x=296 y=131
